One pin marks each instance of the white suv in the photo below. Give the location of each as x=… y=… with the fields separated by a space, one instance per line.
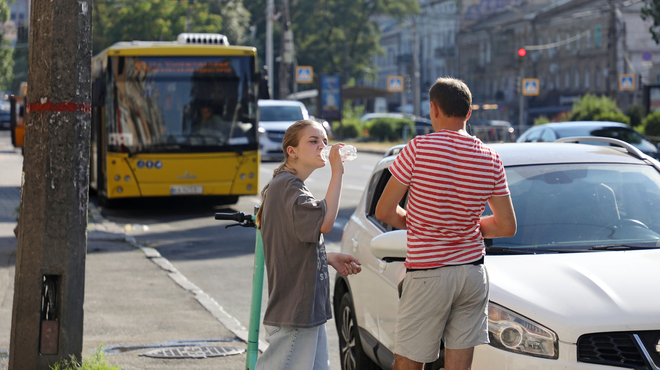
x=575 y=288
x=275 y=116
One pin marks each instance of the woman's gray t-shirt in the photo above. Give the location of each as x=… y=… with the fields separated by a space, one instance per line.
x=296 y=263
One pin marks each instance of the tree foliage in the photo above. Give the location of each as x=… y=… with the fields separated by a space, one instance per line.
x=333 y=36
x=651 y=11
x=651 y=124
x=594 y=108
x=163 y=20
x=6 y=52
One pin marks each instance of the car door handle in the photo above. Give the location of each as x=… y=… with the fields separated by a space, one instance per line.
x=355 y=244
x=382 y=266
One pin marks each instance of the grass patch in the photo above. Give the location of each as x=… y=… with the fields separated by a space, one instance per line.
x=95 y=362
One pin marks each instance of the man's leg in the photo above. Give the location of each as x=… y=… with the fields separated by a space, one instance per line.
x=404 y=363
x=458 y=359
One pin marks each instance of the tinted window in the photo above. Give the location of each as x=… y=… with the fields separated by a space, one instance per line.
x=376 y=187
x=533 y=136
x=547 y=136
x=577 y=206
x=273 y=113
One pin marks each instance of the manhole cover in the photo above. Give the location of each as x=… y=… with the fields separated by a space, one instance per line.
x=194 y=352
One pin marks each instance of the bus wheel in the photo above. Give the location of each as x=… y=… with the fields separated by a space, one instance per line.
x=106 y=203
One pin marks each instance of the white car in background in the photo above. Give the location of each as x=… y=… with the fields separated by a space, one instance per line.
x=275 y=116
x=578 y=286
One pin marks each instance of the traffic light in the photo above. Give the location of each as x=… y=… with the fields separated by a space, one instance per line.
x=522 y=52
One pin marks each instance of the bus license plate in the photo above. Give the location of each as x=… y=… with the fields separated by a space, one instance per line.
x=186 y=190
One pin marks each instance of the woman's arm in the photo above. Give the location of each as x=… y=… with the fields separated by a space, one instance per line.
x=334 y=189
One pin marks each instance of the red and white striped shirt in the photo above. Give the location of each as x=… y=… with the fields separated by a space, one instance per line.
x=450 y=177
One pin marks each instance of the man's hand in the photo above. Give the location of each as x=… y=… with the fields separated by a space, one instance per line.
x=345 y=264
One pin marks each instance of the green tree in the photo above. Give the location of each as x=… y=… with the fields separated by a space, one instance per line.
x=651 y=11
x=6 y=52
x=163 y=20
x=331 y=34
x=636 y=114
x=594 y=108
x=651 y=124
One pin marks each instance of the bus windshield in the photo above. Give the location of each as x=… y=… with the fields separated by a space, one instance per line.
x=182 y=104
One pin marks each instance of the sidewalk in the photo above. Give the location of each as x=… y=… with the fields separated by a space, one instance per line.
x=132 y=303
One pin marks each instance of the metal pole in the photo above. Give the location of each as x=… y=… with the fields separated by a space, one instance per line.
x=47 y=315
x=269 y=45
x=415 y=71
x=521 y=103
x=255 y=308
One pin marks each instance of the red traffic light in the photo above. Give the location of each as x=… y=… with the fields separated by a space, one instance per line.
x=522 y=52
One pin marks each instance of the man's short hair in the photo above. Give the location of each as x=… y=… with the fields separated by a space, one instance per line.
x=452 y=96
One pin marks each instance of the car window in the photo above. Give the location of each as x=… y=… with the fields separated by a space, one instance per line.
x=547 y=136
x=573 y=206
x=376 y=186
x=274 y=113
x=533 y=136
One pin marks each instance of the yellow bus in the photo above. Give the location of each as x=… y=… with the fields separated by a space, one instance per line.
x=175 y=118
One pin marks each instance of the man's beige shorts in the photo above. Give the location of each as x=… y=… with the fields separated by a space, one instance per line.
x=448 y=303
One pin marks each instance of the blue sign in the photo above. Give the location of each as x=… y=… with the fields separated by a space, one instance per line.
x=331 y=97
x=158 y=165
x=150 y=164
x=140 y=163
x=646 y=56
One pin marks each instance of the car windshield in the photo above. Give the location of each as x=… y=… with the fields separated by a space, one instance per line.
x=574 y=207
x=621 y=133
x=279 y=113
x=182 y=104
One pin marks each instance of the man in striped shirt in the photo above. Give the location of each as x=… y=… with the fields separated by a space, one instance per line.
x=449 y=176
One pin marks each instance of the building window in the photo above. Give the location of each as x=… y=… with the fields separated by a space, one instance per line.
x=577 y=79
x=587 y=73
x=567 y=80
x=577 y=41
x=598 y=77
x=587 y=41
x=568 y=44
x=597 y=40
x=557 y=81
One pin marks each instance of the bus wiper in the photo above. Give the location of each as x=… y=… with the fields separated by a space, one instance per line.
x=622 y=247
x=504 y=250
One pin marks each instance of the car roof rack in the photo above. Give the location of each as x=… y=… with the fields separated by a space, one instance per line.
x=628 y=147
x=394 y=150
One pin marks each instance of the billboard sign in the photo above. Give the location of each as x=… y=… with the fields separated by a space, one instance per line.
x=331 y=97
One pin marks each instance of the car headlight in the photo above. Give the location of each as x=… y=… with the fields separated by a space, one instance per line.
x=510 y=331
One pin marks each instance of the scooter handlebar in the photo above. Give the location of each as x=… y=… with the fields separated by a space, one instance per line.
x=237 y=216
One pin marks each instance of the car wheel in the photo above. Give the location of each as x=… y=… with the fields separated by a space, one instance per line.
x=351 y=354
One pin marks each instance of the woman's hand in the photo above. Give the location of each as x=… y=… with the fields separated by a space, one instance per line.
x=345 y=264
x=336 y=162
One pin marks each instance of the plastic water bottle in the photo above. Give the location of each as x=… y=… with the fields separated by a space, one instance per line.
x=347 y=152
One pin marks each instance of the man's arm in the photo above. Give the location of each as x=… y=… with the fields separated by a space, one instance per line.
x=503 y=221
x=388 y=209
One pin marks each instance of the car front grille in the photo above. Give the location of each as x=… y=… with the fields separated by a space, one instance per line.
x=275 y=136
x=636 y=350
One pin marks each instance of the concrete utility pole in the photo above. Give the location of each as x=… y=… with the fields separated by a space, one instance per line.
x=47 y=317
x=286 y=52
x=269 y=45
x=415 y=69
x=613 y=76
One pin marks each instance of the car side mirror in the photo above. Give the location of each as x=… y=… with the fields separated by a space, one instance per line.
x=390 y=246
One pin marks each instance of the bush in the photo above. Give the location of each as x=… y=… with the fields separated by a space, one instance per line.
x=613 y=117
x=651 y=124
x=390 y=129
x=541 y=120
x=351 y=129
x=594 y=108
x=95 y=362
x=636 y=114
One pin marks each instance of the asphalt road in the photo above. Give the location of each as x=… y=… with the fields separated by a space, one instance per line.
x=220 y=260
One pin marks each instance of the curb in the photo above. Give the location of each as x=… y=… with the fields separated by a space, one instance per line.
x=210 y=304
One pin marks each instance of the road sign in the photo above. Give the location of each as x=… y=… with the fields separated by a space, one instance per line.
x=395 y=83
x=646 y=56
x=627 y=82
x=304 y=74
x=530 y=86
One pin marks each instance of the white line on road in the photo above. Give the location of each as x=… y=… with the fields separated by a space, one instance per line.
x=353 y=187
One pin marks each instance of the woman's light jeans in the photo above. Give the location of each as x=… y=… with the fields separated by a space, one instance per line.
x=295 y=349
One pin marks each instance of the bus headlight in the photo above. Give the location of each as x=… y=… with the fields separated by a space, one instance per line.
x=127 y=178
x=510 y=331
x=120 y=190
x=242 y=176
x=249 y=187
x=117 y=177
